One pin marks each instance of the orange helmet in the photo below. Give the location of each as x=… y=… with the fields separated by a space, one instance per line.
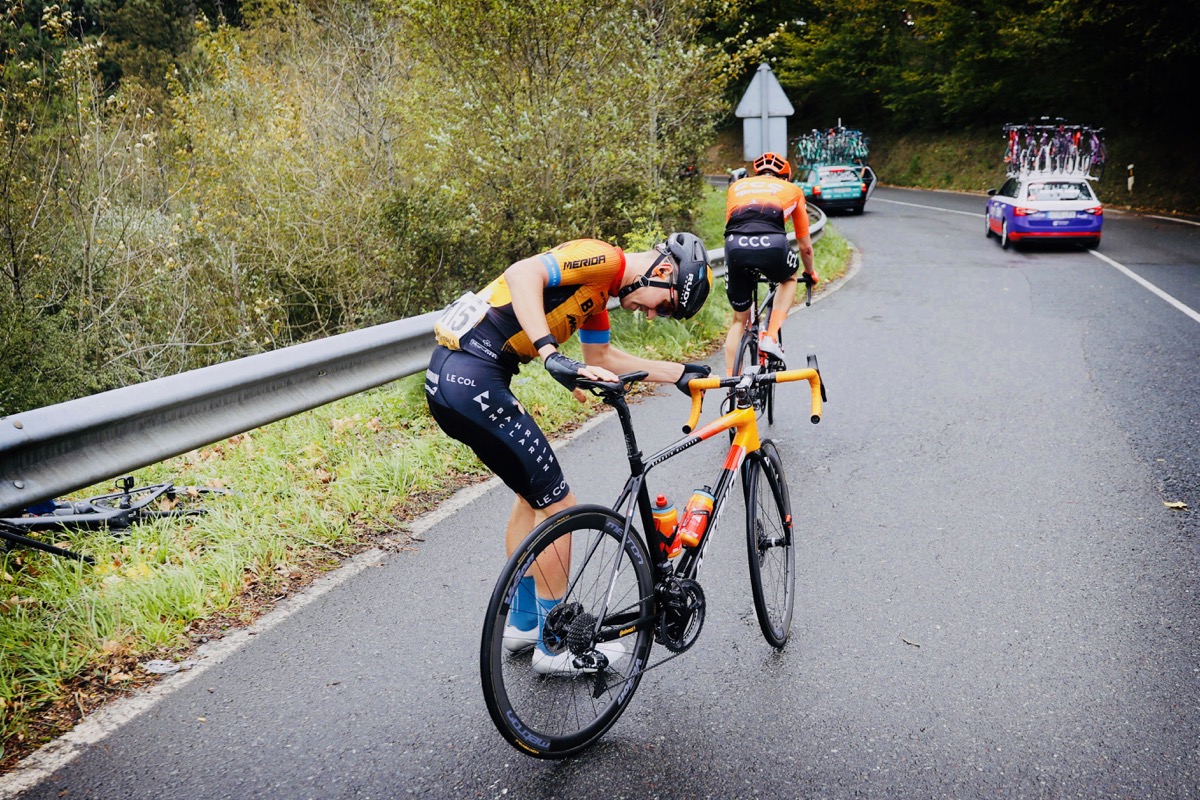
x=773 y=163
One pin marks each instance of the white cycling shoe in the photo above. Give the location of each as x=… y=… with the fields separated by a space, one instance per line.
x=768 y=345
x=516 y=639
x=545 y=663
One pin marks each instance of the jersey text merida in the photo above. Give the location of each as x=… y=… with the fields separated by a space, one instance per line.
x=584 y=273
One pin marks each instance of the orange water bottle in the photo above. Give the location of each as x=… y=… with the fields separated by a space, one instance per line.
x=696 y=517
x=666 y=523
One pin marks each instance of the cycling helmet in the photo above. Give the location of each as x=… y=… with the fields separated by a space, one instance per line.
x=773 y=163
x=693 y=276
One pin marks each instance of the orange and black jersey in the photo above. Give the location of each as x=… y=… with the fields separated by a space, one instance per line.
x=583 y=274
x=762 y=204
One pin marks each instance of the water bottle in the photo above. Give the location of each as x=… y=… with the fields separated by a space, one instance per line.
x=696 y=517
x=666 y=523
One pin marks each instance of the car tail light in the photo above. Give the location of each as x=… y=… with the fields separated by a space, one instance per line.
x=864 y=187
x=1021 y=211
x=817 y=190
x=1098 y=211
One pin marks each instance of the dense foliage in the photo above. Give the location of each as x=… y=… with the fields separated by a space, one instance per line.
x=321 y=165
x=188 y=181
x=936 y=64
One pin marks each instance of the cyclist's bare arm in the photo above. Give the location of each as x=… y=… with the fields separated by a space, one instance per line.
x=618 y=361
x=804 y=246
x=527 y=280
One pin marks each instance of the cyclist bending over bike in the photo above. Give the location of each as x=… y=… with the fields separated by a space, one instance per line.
x=756 y=213
x=538 y=302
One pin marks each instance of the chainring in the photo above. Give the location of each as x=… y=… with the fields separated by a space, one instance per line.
x=682 y=614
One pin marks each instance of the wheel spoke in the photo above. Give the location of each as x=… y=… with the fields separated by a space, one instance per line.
x=557 y=696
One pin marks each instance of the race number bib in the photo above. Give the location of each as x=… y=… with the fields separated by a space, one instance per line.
x=459 y=317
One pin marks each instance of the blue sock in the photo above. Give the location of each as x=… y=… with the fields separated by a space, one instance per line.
x=523 y=613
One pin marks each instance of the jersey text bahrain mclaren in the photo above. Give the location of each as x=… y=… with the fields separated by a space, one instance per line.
x=583 y=274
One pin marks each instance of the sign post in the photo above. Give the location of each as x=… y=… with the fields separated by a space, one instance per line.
x=764 y=110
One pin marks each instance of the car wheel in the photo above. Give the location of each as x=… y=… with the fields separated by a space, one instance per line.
x=1004 y=241
x=858 y=209
x=1092 y=244
x=987 y=226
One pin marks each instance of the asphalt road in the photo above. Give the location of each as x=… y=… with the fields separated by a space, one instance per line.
x=995 y=601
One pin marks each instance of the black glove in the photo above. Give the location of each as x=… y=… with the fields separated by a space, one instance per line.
x=691 y=371
x=562 y=369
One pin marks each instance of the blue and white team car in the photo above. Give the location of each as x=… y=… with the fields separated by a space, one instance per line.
x=1037 y=206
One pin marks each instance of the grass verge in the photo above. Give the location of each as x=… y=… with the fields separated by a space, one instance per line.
x=309 y=491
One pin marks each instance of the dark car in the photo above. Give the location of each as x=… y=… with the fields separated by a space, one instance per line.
x=1047 y=207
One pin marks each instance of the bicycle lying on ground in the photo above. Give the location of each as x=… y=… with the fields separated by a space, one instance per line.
x=748 y=355
x=114 y=511
x=556 y=684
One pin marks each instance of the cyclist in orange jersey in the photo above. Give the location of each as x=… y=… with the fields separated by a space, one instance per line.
x=522 y=315
x=756 y=213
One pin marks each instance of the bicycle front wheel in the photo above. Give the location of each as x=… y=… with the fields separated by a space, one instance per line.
x=771 y=543
x=560 y=688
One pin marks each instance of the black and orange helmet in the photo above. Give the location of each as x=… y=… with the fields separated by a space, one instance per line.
x=773 y=163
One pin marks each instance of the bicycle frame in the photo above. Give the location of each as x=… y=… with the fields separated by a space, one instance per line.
x=746 y=442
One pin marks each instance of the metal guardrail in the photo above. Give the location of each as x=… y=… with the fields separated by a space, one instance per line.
x=48 y=452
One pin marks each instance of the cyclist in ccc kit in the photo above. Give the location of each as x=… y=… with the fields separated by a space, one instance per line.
x=756 y=213
x=524 y=314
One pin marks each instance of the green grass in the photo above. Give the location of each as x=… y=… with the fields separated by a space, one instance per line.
x=309 y=490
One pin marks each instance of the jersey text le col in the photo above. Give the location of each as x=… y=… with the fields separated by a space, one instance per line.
x=762 y=204
x=583 y=274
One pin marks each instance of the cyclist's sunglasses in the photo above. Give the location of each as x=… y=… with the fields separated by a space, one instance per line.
x=669 y=307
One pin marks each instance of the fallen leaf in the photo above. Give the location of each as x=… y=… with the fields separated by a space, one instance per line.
x=1176 y=505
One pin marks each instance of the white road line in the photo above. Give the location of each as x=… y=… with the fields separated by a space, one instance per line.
x=1174 y=219
x=1120 y=267
x=932 y=208
x=1147 y=284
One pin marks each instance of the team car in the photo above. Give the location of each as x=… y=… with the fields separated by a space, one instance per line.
x=1036 y=206
x=837 y=187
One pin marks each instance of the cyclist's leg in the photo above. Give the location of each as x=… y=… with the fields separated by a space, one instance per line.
x=470 y=399
x=589 y=681
x=780 y=266
x=735 y=360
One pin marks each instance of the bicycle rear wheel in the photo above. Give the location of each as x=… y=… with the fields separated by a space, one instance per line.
x=605 y=613
x=768 y=390
x=771 y=543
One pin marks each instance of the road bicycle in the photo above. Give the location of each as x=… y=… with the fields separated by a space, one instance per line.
x=619 y=589
x=113 y=511
x=748 y=355
x=1053 y=147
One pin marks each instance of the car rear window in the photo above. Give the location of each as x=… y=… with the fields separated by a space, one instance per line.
x=841 y=176
x=1059 y=190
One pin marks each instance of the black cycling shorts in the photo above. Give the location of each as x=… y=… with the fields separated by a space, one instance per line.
x=471 y=401
x=748 y=255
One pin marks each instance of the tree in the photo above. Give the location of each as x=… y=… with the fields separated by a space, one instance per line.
x=546 y=119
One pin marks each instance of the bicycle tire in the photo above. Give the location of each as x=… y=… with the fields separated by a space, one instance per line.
x=553 y=716
x=769 y=389
x=771 y=544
